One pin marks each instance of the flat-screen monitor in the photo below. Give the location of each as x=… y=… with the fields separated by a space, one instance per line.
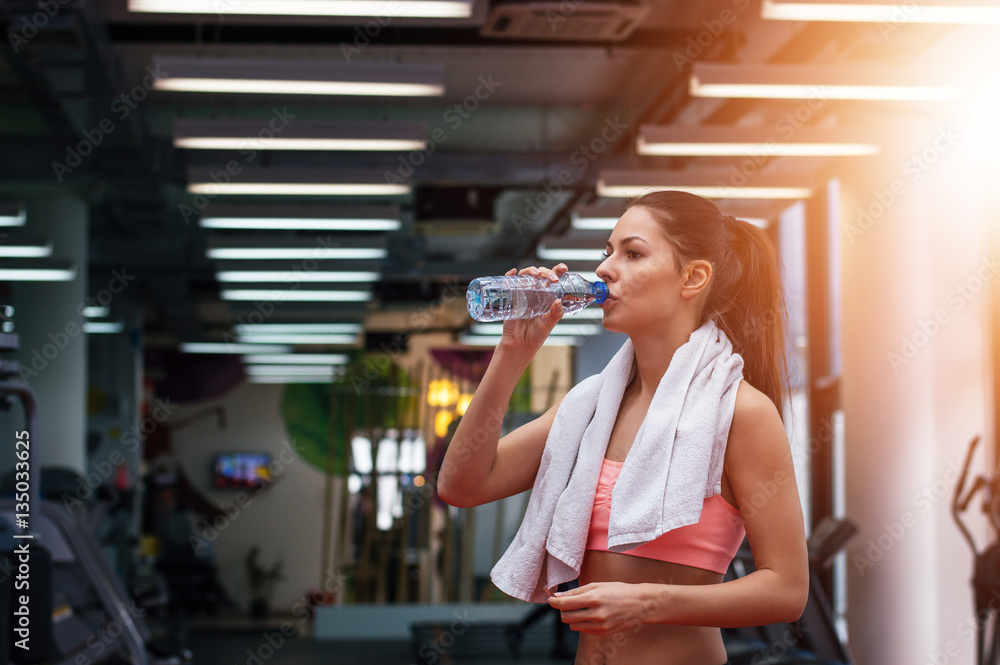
x=241 y=470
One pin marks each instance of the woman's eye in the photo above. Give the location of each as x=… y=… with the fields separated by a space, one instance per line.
x=604 y=256
x=633 y=254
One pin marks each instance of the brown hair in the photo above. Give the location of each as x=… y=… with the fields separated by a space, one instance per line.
x=745 y=297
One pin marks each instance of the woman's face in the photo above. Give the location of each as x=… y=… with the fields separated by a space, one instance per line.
x=641 y=272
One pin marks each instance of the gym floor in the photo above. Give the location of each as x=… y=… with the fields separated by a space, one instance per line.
x=222 y=641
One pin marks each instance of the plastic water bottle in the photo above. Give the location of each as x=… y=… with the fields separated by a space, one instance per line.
x=525 y=297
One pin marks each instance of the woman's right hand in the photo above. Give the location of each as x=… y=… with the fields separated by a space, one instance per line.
x=527 y=335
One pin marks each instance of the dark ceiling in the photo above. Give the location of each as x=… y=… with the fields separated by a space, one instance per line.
x=550 y=94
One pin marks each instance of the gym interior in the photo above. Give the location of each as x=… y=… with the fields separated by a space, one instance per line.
x=235 y=241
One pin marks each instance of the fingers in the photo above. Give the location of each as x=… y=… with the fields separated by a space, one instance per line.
x=552 y=274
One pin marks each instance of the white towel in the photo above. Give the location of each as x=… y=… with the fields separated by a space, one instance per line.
x=674 y=464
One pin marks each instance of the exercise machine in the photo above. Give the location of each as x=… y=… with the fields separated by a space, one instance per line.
x=79 y=608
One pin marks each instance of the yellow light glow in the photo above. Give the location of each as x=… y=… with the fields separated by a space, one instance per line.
x=442 y=392
x=441 y=422
x=463 y=403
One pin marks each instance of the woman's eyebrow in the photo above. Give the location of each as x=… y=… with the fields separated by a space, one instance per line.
x=628 y=239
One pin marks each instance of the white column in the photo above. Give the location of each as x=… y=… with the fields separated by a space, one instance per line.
x=53 y=346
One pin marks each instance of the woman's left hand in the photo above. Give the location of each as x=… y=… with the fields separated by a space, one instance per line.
x=601 y=608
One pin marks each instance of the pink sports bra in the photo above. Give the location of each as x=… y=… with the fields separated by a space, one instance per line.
x=710 y=544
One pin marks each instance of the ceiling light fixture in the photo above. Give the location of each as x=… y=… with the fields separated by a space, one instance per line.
x=816 y=83
x=33 y=250
x=295 y=295
x=96 y=312
x=233 y=347
x=105 y=327
x=297 y=328
x=383 y=8
x=709 y=184
x=320 y=249
x=745 y=141
x=296 y=359
x=286 y=276
x=291 y=182
x=299 y=135
x=928 y=11
x=289 y=370
x=303 y=218
x=286 y=77
x=12 y=214
x=298 y=339
x=36 y=271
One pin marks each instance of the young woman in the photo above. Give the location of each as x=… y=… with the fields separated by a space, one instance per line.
x=673 y=262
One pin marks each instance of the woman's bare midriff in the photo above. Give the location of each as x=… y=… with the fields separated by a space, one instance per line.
x=648 y=643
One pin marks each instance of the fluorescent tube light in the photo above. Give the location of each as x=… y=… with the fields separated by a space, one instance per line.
x=710 y=184
x=12 y=214
x=95 y=312
x=298 y=276
x=301 y=217
x=931 y=11
x=297 y=328
x=285 y=77
x=568 y=254
x=296 y=359
x=289 y=370
x=288 y=379
x=815 y=82
x=106 y=327
x=596 y=217
x=299 y=135
x=739 y=141
x=296 y=295
x=289 y=338
x=300 y=224
x=324 y=253
x=212 y=188
x=386 y=8
x=37 y=274
x=233 y=347
x=26 y=251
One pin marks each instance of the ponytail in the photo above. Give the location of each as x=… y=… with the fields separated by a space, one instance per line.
x=745 y=298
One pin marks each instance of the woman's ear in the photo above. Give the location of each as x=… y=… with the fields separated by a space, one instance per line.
x=696 y=277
